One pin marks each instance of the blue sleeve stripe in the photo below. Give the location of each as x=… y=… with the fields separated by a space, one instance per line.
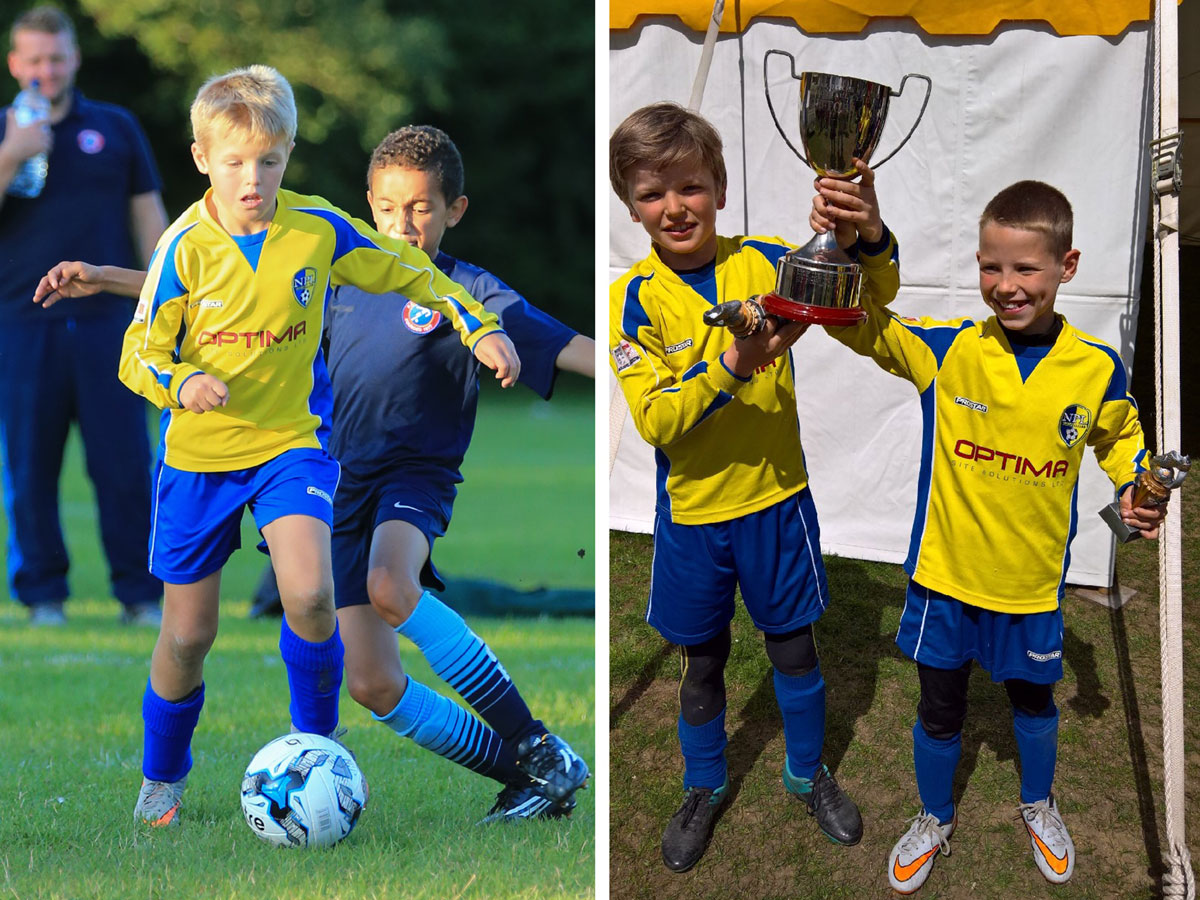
x=925 y=475
x=697 y=369
x=720 y=400
x=1118 y=386
x=1072 y=525
x=346 y=237
x=169 y=286
x=771 y=251
x=938 y=338
x=179 y=393
x=633 y=316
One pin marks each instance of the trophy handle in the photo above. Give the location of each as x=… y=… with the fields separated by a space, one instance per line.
x=924 y=103
x=774 y=118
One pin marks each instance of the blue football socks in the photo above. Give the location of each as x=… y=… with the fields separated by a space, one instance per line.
x=465 y=663
x=703 y=749
x=167 y=743
x=1037 y=743
x=936 y=761
x=442 y=726
x=801 y=700
x=315 y=678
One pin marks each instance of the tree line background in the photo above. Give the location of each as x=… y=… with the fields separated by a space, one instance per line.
x=512 y=84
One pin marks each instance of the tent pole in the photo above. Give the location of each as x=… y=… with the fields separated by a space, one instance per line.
x=1178 y=878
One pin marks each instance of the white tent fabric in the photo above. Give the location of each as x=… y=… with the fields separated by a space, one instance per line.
x=1022 y=102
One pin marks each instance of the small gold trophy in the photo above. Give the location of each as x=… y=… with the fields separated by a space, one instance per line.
x=1151 y=488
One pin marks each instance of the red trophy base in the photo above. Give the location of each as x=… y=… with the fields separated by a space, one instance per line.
x=814 y=315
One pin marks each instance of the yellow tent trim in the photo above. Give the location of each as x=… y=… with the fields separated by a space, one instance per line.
x=1103 y=17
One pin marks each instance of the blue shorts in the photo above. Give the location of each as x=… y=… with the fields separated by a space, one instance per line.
x=197 y=516
x=363 y=505
x=774 y=555
x=945 y=633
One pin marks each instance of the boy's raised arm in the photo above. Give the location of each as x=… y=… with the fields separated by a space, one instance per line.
x=379 y=264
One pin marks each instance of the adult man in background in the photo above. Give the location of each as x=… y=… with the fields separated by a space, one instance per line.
x=101 y=203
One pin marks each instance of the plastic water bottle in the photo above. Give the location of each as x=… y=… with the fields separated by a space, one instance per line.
x=29 y=107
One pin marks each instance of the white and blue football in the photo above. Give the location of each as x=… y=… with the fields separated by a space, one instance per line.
x=303 y=790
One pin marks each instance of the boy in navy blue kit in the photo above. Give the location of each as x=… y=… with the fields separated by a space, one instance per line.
x=404 y=398
x=1009 y=405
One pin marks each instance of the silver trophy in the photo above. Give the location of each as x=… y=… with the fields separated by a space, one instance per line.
x=1151 y=488
x=841 y=119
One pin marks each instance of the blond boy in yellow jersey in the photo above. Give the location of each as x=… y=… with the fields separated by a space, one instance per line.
x=226 y=339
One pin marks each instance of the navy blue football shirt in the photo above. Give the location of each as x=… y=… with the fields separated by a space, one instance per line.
x=405 y=389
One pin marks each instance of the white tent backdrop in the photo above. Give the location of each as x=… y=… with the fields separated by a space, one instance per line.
x=1020 y=103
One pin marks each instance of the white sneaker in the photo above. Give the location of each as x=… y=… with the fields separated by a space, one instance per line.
x=912 y=858
x=1053 y=850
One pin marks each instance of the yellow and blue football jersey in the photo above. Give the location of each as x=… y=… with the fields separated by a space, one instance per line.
x=251 y=312
x=724 y=446
x=1004 y=431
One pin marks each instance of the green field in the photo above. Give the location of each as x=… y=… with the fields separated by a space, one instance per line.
x=70 y=712
x=1108 y=784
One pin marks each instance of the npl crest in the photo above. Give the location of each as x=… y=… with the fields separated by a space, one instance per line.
x=303 y=283
x=1074 y=423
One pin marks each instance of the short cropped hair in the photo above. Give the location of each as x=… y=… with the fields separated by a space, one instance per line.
x=659 y=136
x=1033 y=206
x=426 y=149
x=254 y=103
x=44 y=19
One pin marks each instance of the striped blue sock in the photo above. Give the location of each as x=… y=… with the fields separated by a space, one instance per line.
x=936 y=761
x=167 y=743
x=465 y=663
x=703 y=749
x=1037 y=743
x=442 y=726
x=315 y=678
x=801 y=700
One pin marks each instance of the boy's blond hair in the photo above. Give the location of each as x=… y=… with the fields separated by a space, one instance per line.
x=659 y=136
x=253 y=103
x=1033 y=206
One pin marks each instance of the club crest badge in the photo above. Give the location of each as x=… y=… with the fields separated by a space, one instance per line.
x=303 y=283
x=420 y=320
x=1074 y=423
x=90 y=141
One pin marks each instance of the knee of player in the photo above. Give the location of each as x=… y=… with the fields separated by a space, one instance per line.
x=393 y=595
x=190 y=645
x=941 y=721
x=373 y=688
x=793 y=653
x=310 y=602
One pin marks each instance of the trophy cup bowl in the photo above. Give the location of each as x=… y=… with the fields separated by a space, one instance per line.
x=841 y=119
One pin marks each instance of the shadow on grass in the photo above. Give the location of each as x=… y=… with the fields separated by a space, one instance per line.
x=639 y=685
x=989 y=716
x=1137 y=745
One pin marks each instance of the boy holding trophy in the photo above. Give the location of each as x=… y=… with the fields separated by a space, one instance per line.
x=733 y=508
x=1009 y=403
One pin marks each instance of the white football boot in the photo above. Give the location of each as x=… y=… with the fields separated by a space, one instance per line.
x=1053 y=850
x=912 y=858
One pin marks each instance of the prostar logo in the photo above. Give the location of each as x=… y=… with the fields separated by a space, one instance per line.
x=252 y=339
x=1011 y=462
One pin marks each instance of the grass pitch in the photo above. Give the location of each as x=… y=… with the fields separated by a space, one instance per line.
x=70 y=714
x=1109 y=777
